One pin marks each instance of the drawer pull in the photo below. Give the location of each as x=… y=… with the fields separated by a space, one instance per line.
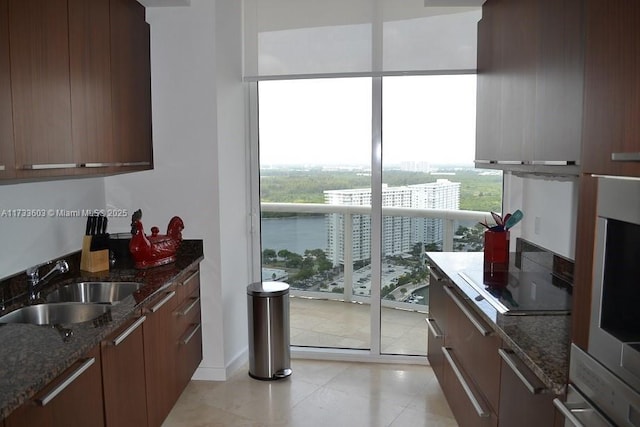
x=484 y=331
x=191 y=334
x=123 y=336
x=566 y=412
x=134 y=164
x=67 y=382
x=436 y=274
x=625 y=157
x=482 y=413
x=96 y=165
x=509 y=360
x=190 y=307
x=434 y=329
x=188 y=279
x=163 y=301
x=44 y=166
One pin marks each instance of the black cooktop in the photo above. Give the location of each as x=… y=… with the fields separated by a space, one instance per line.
x=522 y=292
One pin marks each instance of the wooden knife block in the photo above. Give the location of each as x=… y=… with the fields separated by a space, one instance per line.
x=93 y=261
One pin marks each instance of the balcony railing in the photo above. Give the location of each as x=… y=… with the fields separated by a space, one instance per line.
x=449 y=217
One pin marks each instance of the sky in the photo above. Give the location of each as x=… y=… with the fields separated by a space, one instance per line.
x=328 y=121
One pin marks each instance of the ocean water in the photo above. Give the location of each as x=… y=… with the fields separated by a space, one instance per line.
x=295 y=234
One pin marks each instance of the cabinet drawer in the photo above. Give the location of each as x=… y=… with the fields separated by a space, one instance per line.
x=523 y=400
x=475 y=347
x=57 y=403
x=463 y=396
x=435 y=342
x=187 y=313
x=188 y=286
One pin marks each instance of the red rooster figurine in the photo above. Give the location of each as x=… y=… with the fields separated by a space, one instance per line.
x=157 y=249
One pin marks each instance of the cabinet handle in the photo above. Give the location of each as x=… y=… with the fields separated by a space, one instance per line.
x=436 y=274
x=163 y=301
x=482 y=413
x=67 y=381
x=134 y=164
x=96 y=165
x=43 y=166
x=190 y=307
x=123 y=336
x=553 y=162
x=484 y=331
x=625 y=157
x=509 y=360
x=188 y=279
x=191 y=334
x=434 y=329
x=565 y=410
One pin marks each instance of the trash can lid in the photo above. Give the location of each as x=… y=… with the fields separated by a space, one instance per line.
x=267 y=289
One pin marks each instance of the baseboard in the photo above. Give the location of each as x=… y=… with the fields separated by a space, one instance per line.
x=208 y=373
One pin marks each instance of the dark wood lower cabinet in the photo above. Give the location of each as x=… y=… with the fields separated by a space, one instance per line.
x=188 y=329
x=123 y=371
x=484 y=382
x=160 y=358
x=465 y=399
x=436 y=322
x=72 y=399
x=524 y=401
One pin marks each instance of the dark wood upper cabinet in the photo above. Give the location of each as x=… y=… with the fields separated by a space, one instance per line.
x=7 y=155
x=39 y=45
x=559 y=80
x=530 y=71
x=612 y=88
x=90 y=68
x=131 y=89
x=75 y=88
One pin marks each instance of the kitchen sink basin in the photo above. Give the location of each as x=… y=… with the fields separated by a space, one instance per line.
x=55 y=314
x=94 y=292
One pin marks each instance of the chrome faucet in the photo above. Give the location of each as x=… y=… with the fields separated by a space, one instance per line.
x=35 y=283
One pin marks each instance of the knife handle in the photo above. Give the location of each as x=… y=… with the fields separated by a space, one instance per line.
x=88 y=229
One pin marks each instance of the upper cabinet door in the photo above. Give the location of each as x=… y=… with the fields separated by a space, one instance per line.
x=90 y=68
x=529 y=102
x=39 y=45
x=7 y=156
x=611 y=126
x=131 y=77
x=559 y=81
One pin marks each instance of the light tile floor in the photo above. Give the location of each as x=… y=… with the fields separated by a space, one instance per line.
x=318 y=393
x=323 y=323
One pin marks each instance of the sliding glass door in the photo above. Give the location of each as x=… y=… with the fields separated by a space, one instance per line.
x=315 y=194
x=359 y=178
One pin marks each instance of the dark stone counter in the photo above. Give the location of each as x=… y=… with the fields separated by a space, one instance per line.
x=31 y=356
x=541 y=341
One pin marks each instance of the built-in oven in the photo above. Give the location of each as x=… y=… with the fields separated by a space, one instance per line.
x=614 y=333
x=605 y=379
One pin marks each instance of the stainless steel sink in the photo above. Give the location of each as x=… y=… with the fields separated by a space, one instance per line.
x=94 y=292
x=55 y=314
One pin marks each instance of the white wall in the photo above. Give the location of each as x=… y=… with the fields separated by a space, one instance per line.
x=550 y=207
x=200 y=167
x=30 y=241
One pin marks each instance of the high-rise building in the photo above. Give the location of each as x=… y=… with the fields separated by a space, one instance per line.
x=399 y=233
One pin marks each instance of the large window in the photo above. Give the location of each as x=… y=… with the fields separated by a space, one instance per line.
x=326 y=171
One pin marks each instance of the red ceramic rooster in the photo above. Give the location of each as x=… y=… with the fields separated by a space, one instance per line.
x=157 y=249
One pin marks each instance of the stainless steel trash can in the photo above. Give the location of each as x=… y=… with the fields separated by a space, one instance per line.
x=268 y=311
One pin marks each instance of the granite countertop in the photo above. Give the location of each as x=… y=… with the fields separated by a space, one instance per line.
x=32 y=355
x=542 y=342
